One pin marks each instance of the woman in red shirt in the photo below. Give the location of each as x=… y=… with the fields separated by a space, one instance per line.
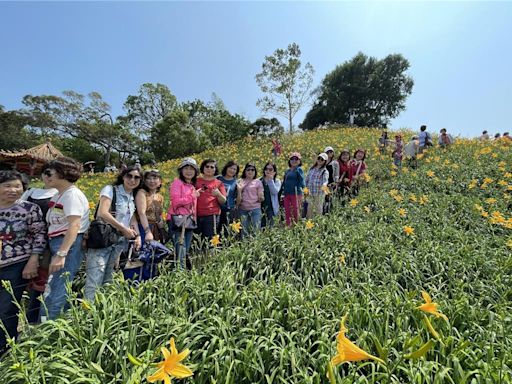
x=212 y=196
x=345 y=177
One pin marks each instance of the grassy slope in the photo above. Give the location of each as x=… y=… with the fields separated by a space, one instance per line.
x=267 y=310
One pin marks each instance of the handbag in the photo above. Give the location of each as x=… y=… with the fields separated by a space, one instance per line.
x=102 y=234
x=183 y=221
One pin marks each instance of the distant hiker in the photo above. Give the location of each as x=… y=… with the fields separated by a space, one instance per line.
x=276 y=147
x=411 y=151
x=424 y=138
x=445 y=139
x=485 y=136
x=398 y=152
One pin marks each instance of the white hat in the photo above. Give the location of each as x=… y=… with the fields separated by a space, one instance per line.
x=323 y=156
x=327 y=149
x=189 y=161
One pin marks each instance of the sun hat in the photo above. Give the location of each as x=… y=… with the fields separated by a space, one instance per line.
x=324 y=156
x=327 y=149
x=188 y=161
x=295 y=154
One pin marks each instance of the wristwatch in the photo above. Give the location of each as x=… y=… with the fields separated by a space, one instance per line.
x=61 y=254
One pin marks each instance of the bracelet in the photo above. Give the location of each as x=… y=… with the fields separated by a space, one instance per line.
x=61 y=254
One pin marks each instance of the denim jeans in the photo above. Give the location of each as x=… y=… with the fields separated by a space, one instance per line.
x=100 y=266
x=55 y=295
x=182 y=249
x=251 y=221
x=8 y=310
x=208 y=226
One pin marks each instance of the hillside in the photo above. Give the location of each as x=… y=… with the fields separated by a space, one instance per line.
x=268 y=309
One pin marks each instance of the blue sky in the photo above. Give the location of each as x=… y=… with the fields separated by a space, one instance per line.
x=460 y=52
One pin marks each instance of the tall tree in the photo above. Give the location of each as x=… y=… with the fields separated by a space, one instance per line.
x=285 y=82
x=364 y=91
x=15 y=135
x=148 y=107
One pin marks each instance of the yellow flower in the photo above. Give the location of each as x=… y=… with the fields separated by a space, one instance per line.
x=509 y=243
x=367 y=209
x=393 y=173
x=309 y=224
x=430 y=307
x=490 y=200
x=236 y=226
x=343 y=257
x=354 y=202
x=215 y=240
x=171 y=366
x=503 y=183
x=398 y=198
x=508 y=175
x=488 y=180
x=402 y=212
x=484 y=214
x=326 y=190
x=430 y=174
x=348 y=351
x=305 y=190
x=408 y=230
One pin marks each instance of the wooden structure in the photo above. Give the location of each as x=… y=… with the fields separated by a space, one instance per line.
x=32 y=160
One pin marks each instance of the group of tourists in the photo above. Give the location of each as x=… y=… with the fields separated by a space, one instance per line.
x=46 y=232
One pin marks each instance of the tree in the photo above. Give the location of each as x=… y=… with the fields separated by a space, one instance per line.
x=266 y=127
x=174 y=131
x=372 y=91
x=285 y=82
x=75 y=115
x=151 y=105
x=15 y=135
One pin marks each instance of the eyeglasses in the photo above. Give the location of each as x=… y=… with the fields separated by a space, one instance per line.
x=48 y=172
x=132 y=177
x=294 y=158
x=210 y=166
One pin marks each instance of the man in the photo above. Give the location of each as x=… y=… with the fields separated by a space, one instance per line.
x=424 y=139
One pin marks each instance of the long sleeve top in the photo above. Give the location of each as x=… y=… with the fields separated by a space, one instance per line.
x=271 y=189
x=183 y=200
x=22 y=232
x=316 y=179
x=294 y=181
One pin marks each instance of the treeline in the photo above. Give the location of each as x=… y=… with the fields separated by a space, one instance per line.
x=155 y=126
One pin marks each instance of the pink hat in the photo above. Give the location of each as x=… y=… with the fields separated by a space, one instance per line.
x=295 y=154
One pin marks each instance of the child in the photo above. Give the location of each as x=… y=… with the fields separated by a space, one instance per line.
x=316 y=181
x=358 y=168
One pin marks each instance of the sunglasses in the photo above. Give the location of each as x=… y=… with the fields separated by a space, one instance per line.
x=321 y=159
x=294 y=158
x=132 y=177
x=269 y=169
x=48 y=172
x=251 y=170
x=210 y=166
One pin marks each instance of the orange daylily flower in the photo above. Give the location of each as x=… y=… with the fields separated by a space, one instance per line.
x=171 y=366
x=430 y=307
x=348 y=351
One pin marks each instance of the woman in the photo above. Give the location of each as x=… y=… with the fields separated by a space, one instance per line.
x=101 y=262
x=183 y=203
x=68 y=220
x=212 y=196
x=41 y=197
x=228 y=178
x=357 y=169
x=22 y=241
x=293 y=184
x=271 y=187
x=333 y=167
x=345 y=178
x=316 y=181
x=149 y=203
x=249 y=199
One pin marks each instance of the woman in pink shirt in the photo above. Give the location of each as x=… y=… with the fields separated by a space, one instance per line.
x=250 y=196
x=183 y=203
